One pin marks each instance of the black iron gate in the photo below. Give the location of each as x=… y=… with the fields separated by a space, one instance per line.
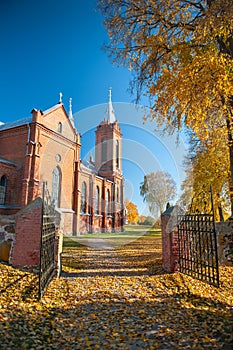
x=198 y=256
x=197 y=242
x=47 y=244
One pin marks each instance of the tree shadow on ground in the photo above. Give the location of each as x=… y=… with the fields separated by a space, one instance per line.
x=112 y=263
x=160 y=324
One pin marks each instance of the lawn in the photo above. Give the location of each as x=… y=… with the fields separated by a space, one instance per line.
x=115 y=239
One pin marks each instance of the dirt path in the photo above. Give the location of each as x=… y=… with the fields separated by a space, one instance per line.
x=101 y=257
x=125 y=301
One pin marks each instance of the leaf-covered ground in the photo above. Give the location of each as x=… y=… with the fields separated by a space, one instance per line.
x=115 y=298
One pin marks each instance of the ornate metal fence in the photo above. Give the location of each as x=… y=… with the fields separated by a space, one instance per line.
x=47 y=244
x=197 y=242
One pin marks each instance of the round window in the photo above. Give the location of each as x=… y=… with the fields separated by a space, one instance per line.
x=58 y=158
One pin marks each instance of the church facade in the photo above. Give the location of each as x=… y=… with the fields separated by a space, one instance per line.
x=46 y=148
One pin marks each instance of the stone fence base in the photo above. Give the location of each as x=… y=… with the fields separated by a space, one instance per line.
x=224 y=232
x=20 y=237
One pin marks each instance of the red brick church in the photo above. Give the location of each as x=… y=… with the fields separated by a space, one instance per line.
x=46 y=147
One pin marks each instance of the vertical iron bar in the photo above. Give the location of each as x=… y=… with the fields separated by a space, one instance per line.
x=208 y=235
x=215 y=237
x=41 y=241
x=179 y=228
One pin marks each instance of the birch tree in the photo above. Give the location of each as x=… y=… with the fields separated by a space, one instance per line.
x=157 y=190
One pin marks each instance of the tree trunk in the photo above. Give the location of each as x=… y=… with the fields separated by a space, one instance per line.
x=227 y=49
x=231 y=177
x=220 y=212
x=230 y=143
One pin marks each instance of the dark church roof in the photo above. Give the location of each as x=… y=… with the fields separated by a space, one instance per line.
x=5 y=161
x=25 y=121
x=86 y=165
x=16 y=123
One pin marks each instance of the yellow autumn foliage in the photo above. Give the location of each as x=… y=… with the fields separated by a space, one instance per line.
x=181 y=54
x=208 y=168
x=132 y=212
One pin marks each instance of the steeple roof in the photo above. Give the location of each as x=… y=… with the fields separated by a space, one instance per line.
x=71 y=113
x=110 y=111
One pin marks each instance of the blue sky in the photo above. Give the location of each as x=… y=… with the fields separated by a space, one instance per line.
x=49 y=46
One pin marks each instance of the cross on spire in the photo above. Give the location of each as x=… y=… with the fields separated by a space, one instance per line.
x=60 y=97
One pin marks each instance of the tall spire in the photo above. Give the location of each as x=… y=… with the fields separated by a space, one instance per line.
x=71 y=113
x=110 y=110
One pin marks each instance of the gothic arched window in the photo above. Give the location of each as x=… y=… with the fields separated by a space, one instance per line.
x=117 y=195
x=108 y=203
x=59 y=127
x=97 y=200
x=3 y=183
x=84 y=198
x=104 y=150
x=56 y=186
x=117 y=153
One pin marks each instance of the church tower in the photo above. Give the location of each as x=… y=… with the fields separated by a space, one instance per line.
x=108 y=151
x=108 y=163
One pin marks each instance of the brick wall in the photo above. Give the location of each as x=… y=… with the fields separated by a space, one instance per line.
x=13 y=188
x=97 y=223
x=170 y=251
x=84 y=226
x=26 y=249
x=65 y=220
x=13 y=148
x=22 y=233
x=8 y=141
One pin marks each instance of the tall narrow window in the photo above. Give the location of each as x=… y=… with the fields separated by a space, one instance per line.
x=59 y=127
x=117 y=195
x=117 y=153
x=56 y=186
x=3 y=183
x=104 y=150
x=84 y=198
x=97 y=200
x=108 y=204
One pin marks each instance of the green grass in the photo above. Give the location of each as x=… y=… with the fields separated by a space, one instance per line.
x=129 y=230
x=131 y=233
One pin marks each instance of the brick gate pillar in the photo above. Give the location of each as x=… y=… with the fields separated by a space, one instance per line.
x=26 y=248
x=170 y=249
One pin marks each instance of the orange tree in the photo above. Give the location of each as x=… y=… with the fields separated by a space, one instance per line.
x=181 y=55
x=132 y=212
